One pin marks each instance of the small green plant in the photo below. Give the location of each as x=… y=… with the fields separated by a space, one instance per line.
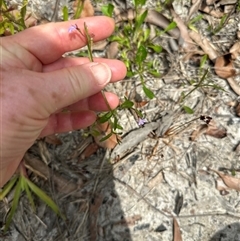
x=111 y=116
x=135 y=44
x=197 y=85
x=192 y=22
x=20 y=183
x=223 y=21
x=12 y=21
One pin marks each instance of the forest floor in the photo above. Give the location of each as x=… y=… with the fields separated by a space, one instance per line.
x=174 y=180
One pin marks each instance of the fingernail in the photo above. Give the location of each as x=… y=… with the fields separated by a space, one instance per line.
x=101 y=72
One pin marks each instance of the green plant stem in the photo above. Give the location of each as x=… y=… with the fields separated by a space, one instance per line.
x=89 y=46
x=198 y=85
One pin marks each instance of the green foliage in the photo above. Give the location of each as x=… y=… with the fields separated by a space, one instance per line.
x=188 y=110
x=107 y=10
x=79 y=9
x=65 y=13
x=20 y=183
x=191 y=24
x=12 y=21
x=220 y=25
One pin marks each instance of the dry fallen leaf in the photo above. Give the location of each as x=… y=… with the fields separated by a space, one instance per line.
x=216 y=131
x=89 y=150
x=237 y=109
x=235 y=50
x=200 y=130
x=104 y=130
x=176 y=231
x=230 y=181
x=62 y=184
x=53 y=139
x=224 y=67
x=221 y=187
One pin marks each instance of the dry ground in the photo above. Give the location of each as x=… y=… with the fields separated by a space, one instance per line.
x=136 y=196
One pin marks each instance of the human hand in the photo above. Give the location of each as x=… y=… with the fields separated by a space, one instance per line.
x=37 y=83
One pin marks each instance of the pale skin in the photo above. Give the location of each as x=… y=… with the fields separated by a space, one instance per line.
x=37 y=83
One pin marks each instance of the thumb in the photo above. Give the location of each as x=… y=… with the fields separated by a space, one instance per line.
x=69 y=85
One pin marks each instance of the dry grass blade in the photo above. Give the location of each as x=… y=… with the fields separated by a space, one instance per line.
x=229 y=181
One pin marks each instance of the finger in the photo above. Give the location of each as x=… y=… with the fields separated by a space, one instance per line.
x=96 y=103
x=117 y=67
x=64 y=122
x=69 y=85
x=50 y=41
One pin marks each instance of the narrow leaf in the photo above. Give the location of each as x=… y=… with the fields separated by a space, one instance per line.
x=7 y=188
x=106 y=137
x=139 y=3
x=16 y=198
x=141 y=54
x=188 y=110
x=107 y=10
x=45 y=198
x=140 y=19
x=29 y=195
x=156 y=48
x=171 y=26
x=148 y=92
x=78 y=12
x=203 y=60
x=155 y=73
x=127 y=104
x=65 y=13
x=105 y=117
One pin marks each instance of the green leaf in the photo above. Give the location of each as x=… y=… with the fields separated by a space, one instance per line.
x=65 y=13
x=146 y=34
x=45 y=198
x=107 y=10
x=130 y=74
x=7 y=188
x=16 y=198
x=171 y=26
x=23 y=13
x=115 y=122
x=127 y=104
x=139 y=3
x=29 y=195
x=148 y=92
x=203 y=60
x=188 y=110
x=196 y=19
x=105 y=117
x=140 y=19
x=106 y=137
x=155 y=48
x=78 y=12
x=95 y=132
x=119 y=127
x=141 y=54
x=155 y=73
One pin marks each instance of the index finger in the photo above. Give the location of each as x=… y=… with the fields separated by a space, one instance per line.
x=50 y=41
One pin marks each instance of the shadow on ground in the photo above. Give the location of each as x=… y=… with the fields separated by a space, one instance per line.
x=93 y=212
x=229 y=233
